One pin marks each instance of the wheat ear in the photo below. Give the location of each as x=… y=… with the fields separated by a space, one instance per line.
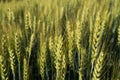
x=59 y=59
x=25 y=69
x=18 y=53
x=70 y=43
x=119 y=52
x=32 y=39
x=4 y=73
x=100 y=66
x=42 y=58
x=12 y=62
x=28 y=23
x=97 y=37
x=4 y=57
x=4 y=46
x=52 y=53
x=28 y=27
x=83 y=63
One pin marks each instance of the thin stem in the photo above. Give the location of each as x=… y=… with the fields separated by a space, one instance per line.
x=14 y=76
x=69 y=73
x=57 y=75
x=19 y=72
x=47 y=73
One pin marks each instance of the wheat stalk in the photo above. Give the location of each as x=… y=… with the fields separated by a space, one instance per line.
x=83 y=63
x=18 y=52
x=25 y=69
x=82 y=54
x=119 y=35
x=52 y=54
x=34 y=24
x=78 y=34
x=28 y=27
x=32 y=39
x=4 y=57
x=70 y=43
x=100 y=67
x=12 y=62
x=42 y=58
x=4 y=45
x=97 y=38
x=3 y=68
x=59 y=59
x=28 y=23
x=118 y=77
x=18 y=46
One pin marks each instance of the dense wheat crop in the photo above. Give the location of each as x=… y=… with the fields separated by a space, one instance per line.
x=59 y=39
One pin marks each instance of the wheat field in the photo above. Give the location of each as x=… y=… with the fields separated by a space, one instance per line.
x=59 y=40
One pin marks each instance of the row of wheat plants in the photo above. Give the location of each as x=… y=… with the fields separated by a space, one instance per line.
x=60 y=40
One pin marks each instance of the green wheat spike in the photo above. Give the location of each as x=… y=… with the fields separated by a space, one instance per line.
x=42 y=59
x=100 y=67
x=12 y=62
x=3 y=68
x=18 y=52
x=25 y=69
